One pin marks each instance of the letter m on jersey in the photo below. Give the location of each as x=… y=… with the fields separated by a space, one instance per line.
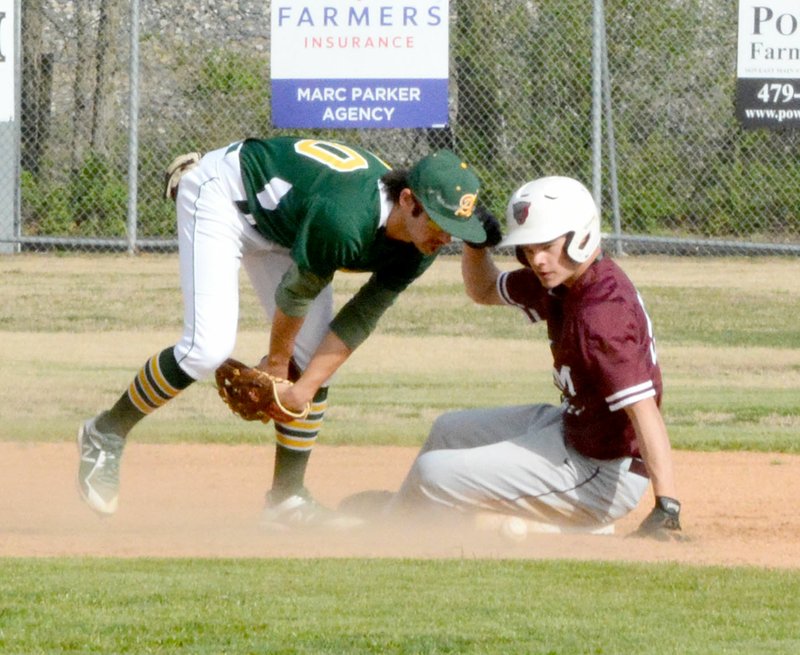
x=563 y=380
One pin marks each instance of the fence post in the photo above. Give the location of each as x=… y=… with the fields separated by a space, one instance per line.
x=9 y=119
x=612 y=147
x=133 y=130
x=597 y=101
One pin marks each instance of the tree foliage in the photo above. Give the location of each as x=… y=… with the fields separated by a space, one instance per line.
x=521 y=107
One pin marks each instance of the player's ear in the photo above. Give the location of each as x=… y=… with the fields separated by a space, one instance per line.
x=407 y=198
x=409 y=201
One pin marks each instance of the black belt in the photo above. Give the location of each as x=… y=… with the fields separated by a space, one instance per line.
x=637 y=467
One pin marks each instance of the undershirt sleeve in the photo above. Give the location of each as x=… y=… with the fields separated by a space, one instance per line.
x=359 y=316
x=297 y=290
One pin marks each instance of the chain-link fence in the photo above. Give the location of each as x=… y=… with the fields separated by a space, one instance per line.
x=678 y=172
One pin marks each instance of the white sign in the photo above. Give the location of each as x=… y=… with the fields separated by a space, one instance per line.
x=768 y=64
x=359 y=63
x=769 y=39
x=7 y=82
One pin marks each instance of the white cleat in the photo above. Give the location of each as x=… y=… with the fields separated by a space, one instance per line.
x=301 y=511
x=98 y=470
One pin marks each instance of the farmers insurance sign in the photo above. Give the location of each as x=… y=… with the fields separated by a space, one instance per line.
x=359 y=63
x=768 y=66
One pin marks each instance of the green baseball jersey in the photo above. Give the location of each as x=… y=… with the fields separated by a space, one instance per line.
x=322 y=201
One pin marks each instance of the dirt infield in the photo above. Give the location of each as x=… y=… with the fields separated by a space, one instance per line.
x=204 y=501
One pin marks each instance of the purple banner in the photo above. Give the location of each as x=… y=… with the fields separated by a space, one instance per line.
x=359 y=103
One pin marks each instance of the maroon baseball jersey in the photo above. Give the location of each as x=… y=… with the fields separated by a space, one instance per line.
x=604 y=356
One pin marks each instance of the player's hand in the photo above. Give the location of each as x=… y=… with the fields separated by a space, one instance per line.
x=491 y=226
x=663 y=522
x=293 y=396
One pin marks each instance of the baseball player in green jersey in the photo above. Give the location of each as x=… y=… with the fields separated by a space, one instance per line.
x=292 y=211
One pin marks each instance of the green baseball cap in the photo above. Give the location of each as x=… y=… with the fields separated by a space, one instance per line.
x=448 y=189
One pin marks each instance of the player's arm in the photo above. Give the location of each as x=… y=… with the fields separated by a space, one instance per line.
x=654 y=445
x=359 y=316
x=480 y=274
x=349 y=328
x=281 y=343
x=663 y=521
x=294 y=295
x=329 y=356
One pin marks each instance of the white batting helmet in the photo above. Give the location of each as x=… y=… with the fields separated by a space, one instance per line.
x=549 y=207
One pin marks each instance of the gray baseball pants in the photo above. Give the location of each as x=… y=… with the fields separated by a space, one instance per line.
x=514 y=460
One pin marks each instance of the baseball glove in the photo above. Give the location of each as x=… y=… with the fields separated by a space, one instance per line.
x=177 y=168
x=252 y=393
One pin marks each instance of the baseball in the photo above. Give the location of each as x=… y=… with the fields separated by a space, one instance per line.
x=514 y=529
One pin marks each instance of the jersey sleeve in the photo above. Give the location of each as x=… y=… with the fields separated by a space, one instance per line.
x=521 y=288
x=619 y=350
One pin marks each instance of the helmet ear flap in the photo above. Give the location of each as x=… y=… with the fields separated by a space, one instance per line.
x=581 y=244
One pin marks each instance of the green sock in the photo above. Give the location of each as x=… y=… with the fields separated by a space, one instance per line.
x=294 y=442
x=289 y=472
x=156 y=383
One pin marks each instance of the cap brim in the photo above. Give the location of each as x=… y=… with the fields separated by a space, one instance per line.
x=469 y=230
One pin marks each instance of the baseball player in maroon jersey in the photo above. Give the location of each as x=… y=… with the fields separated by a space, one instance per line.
x=584 y=464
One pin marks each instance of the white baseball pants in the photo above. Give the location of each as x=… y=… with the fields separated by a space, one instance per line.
x=214 y=240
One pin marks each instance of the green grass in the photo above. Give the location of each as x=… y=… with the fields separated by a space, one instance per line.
x=741 y=305
x=386 y=606
x=724 y=317
x=74 y=329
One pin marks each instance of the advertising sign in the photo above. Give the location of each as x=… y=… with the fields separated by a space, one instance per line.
x=768 y=64
x=359 y=63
